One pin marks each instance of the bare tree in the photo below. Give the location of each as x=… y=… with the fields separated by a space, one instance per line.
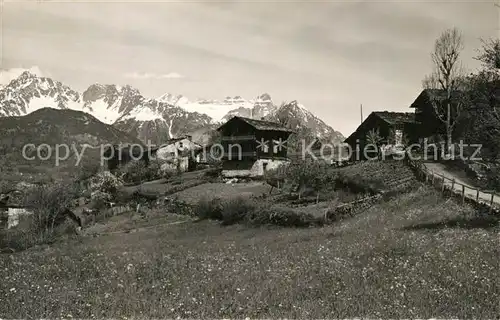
x=447 y=77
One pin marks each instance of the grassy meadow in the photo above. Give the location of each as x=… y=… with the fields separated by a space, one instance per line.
x=417 y=255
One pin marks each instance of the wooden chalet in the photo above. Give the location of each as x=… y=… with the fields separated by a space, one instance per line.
x=178 y=153
x=251 y=146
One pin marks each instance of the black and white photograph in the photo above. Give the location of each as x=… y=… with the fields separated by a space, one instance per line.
x=249 y=159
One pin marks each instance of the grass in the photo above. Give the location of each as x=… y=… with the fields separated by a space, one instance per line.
x=389 y=262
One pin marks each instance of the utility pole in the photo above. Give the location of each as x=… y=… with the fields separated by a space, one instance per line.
x=361 y=110
x=498 y=6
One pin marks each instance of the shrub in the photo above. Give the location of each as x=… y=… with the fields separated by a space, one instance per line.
x=213 y=173
x=103 y=188
x=235 y=210
x=208 y=209
x=105 y=182
x=137 y=172
x=281 y=217
x=358 y=183
x=49 y=204
x=304 y=174
x=7 y=186
x=179 y=207
x=249 y=211
x=87 y=171
x=275 y=176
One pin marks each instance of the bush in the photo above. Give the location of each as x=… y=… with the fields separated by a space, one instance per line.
x=303 y=175
x=213 y=173
x=49 y=204
x=105 y=182
x=103 y=188
x=87 y=171
x=273 y=176
x=492 y=177
x=235 y=210
x=249 y=211
x=208 y=209
x=358 y=183
x=137 y=172
x=282 y=217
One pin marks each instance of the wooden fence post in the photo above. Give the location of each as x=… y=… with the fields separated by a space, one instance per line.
x=452 y=185
x=491 y=202
x=477 y=195
x=432 y=172
x=442 y=187
x=463 y=194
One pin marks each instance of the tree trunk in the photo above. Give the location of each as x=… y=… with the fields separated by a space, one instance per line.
x=449 y=128
x=449 y=141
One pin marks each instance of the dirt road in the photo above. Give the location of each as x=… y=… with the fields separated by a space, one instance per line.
x=460 y=179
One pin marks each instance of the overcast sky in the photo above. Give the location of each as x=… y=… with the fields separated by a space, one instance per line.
x=330 y=56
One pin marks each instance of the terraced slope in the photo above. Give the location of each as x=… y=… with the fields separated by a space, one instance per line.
x=387 y=175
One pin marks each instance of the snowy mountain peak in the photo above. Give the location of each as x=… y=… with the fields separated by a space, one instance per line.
x=175 y=100
x=28 y=93
x=295 y=116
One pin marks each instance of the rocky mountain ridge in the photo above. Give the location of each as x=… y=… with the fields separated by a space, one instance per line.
x=148 y=119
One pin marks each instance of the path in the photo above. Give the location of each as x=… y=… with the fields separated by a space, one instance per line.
x=470 y=191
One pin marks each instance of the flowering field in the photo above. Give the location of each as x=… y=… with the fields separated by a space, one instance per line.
x=415 y=256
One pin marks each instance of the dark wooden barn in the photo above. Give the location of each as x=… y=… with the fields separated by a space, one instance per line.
x=250 y=146
x=393 y=128
x=428 y=124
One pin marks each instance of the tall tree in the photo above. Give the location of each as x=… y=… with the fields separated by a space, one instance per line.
x=447 y=77
x=481 y=119
x=484 y=86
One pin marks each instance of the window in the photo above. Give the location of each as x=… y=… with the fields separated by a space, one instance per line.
x=180 y=144
x=398 y=137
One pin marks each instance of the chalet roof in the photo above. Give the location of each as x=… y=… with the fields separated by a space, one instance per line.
x=394 y=118
x=172 y=141
x=435 y=94
x=260 y=124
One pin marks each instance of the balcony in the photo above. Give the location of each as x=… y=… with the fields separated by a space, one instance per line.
x=235 y=155
x=238 y=138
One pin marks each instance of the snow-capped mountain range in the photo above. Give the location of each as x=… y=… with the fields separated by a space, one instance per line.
x=221 y=110
x=149 y=119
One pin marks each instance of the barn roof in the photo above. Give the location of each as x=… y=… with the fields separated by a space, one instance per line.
x=260 y=124
x=435 y=94
x=396 y=117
